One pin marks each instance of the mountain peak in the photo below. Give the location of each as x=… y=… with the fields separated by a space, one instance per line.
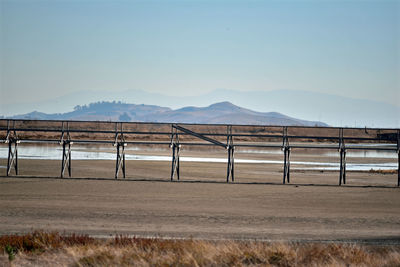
x=223 y=105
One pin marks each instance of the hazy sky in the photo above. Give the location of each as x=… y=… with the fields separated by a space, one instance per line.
x=347 y=48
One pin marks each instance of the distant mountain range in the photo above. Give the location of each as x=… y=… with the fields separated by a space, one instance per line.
x=331 y=109
x=219 y=113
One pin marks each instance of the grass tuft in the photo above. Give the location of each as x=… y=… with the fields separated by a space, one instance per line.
x=383 y=171
x=39 y=241
x=50 y=249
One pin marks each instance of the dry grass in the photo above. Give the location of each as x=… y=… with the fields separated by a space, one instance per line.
x=54 y=249
x=383 y=171
x=152 y=127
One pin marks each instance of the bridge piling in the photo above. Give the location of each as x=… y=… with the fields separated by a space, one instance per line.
x=42 y=132
x=286 y=156
x=398 y=157
x=231 y=159
x=342 y=151
x=66 y=156
x=13 y=141
x=12 y=161
x=120 y=162
x=119 y=142
x=175 y=153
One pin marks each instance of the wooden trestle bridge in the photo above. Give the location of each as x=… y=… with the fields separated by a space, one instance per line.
x=121 y=134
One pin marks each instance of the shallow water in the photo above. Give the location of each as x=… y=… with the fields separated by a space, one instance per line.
x=333 y=153
x=81 y=152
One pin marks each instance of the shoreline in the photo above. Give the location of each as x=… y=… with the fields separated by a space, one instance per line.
x=201 y=171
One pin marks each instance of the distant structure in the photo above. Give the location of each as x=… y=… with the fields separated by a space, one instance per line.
x=26 y=131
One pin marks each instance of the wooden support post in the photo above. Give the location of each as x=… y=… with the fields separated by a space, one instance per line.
x=341 y=167
x=344 y=166
x=175 y=154
x=12 y=140
x=284 y=165
x=62 y=133
x=12 y=161
x=119 y=142
x=342 y=151
x=398 y=156
x=8 y=131
x=117 y=162
x=228 y=166
x=123 y=162
x=286 y=156
x=175 y=161
x=342 y=178
x=398 y=168
x=288 y=165
x=120 y=162
x=66 y=158
x=231 y=164
x=230 y=172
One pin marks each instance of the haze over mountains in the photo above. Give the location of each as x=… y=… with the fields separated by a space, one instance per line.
x=219 y=113
x=331 y=109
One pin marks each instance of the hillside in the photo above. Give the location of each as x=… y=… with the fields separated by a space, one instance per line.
x=219 y=113
x=332 y=109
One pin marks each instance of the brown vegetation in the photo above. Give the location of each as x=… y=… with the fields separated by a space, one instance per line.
x=166 y=128
x=46 y=249
x=383 y=171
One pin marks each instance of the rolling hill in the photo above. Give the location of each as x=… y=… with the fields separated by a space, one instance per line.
x=218 y=113
x=332 y=109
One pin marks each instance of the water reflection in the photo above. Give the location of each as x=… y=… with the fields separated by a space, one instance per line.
x=82 y=152
x=333 y=153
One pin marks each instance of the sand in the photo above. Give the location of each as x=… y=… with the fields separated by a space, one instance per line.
x=202 y=204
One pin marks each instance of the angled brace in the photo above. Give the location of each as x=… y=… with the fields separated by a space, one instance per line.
x=175 y=149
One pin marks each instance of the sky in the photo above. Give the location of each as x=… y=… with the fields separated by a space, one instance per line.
x=346 y=48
